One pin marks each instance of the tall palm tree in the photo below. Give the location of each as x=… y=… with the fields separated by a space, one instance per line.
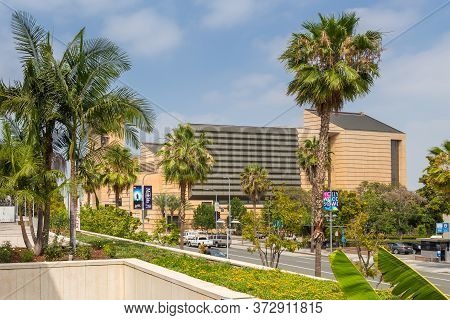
x=185 y=160
x=119 y=170
x=92 y=105
x=332 y=64
x=255 y=183
x=307 y=157
x=31 y=103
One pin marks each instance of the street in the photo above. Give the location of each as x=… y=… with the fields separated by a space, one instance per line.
x=437 y=273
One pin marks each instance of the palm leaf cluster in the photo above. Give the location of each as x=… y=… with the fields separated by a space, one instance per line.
x=63 y=102
x=405 y=281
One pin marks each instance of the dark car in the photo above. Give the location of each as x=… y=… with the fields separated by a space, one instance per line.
x=215 y=253
x=416 y=247
x=401 y=248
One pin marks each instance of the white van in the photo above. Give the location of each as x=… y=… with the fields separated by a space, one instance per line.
x=192 y=234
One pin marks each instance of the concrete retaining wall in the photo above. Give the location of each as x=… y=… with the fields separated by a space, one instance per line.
x=124 y=279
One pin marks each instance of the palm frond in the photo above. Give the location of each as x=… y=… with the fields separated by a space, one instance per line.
x=407 y=283
x=351 y=281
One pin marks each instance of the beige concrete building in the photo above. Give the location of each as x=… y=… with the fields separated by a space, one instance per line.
x=363 y=149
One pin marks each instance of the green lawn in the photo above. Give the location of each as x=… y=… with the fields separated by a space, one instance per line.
x=264 y=284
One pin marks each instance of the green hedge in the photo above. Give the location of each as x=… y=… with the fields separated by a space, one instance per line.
x=113 y=221
x=264 y=284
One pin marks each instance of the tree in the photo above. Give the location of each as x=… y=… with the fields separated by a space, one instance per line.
x=91 y=179
x=204 y=217
x=437 y=174
x=31 y=105
x=161 y=201
x=185 y=160
x=281 y=221
x=255 y=183
x=173 y=204
x=365 y=239
x=331 y=65
x=239 y=210
x=119 y=170
x=90 y=105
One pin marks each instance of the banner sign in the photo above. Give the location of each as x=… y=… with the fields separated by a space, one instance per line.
x=147 y=197
x=137 y=197
x=331 y=200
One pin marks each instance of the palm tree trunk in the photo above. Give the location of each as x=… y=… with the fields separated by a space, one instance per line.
x=182 y=213
x=117 y=197
x=73 y=200
x=317 y=189
x=48 y=153
x=23 y=229
x=38 y=246
x=88 y=199
x=30 y=219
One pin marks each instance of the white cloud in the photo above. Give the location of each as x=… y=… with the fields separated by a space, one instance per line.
x=273 y=48
x=252 y=99
x=143 y=33
x=229 y=13
x=413 y=95
x=386 y=20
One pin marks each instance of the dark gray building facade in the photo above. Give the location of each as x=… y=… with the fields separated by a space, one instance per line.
x=234 y=147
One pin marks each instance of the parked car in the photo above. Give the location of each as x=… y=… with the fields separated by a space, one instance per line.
x=215 y=253
x=399 y=247
x=416 y=247
x=191 y=234
x=197 y=241
x=220 y=240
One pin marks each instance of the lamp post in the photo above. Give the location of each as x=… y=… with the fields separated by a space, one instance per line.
x=143 y=203
x=229 y=215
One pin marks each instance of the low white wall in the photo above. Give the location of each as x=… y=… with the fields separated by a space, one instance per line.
x=129 y=279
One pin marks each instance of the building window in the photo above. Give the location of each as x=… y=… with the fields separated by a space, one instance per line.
x=395 y=162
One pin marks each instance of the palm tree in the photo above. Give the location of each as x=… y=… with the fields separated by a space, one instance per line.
x=173 y=204
x=437 y=174
x=254 y=183
x=332 y=64
x=91 y=179
x=119 y=170
x=185 y=160
x=31 y=104
x=90 y=105
x=161 y=201
x=307 y=158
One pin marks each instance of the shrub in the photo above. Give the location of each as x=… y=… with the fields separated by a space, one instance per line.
x=26 y=255
x=54 y=251
x=141 y=236
x=110 y=250
x=59 y=217
x=84 y=252
x=98 y=243
x=109 y=220
x=6 y=252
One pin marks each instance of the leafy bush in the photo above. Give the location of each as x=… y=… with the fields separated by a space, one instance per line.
x=166 y=233
x=59 y=217
x=140 y=236
x=26 y=255
x=110 y=250
x=6 y=252
x=110 y=220
x=84 y=252
x=99 y=243
x=54 y=251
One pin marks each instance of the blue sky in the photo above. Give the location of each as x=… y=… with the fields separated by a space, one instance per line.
x=215 y=61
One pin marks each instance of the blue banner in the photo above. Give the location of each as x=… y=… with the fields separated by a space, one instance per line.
x=137 y=197
x=147 y=197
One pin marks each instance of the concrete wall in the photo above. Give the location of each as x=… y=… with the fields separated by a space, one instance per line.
x=127 y=279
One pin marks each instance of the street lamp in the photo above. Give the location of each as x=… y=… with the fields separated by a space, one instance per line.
x=229 y=213
x=143 y=203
